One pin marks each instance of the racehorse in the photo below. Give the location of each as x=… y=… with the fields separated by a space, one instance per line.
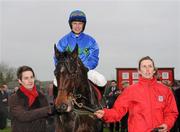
x=76 y=99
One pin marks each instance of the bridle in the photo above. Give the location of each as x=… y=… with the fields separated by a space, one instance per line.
x=80 y=109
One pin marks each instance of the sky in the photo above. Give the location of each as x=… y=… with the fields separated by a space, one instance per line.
x=125 y=30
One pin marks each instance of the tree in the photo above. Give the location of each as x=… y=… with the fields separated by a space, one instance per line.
x=7 y=73
x=1 y=78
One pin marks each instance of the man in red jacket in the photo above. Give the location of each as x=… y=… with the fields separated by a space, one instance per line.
x=151 y=105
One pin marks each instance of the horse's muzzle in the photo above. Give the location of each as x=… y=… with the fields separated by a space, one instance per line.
x=62 y=108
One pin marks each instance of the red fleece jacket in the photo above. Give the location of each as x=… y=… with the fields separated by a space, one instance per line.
x=149 y=104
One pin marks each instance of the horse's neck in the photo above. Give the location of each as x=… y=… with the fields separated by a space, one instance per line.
x=65 y=120
x=93 y=97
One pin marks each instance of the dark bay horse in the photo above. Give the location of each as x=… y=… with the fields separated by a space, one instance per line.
x=76 y=100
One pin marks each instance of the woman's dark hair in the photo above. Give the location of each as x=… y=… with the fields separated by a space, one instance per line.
x=23 y=69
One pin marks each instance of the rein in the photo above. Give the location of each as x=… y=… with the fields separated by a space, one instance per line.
x=87 y=110
x=81 y=105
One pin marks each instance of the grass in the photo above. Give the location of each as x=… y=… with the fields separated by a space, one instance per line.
x=6 y=130
x=105 y=130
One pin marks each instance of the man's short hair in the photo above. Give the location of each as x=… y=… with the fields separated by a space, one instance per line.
x=114 y=81
x=23 y=69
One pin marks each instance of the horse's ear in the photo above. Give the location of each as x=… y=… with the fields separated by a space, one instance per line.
x=58 y=54
x=75 y=52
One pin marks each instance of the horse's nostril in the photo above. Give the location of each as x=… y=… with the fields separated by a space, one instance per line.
x=63 y=107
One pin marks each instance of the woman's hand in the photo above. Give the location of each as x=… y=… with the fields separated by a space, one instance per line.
x=99 y=113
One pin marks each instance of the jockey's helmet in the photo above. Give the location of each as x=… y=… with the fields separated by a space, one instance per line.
x=77 y=15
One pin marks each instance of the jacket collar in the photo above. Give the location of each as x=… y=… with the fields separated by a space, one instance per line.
x=36 y=103
x=146 y=81
x=75 y=36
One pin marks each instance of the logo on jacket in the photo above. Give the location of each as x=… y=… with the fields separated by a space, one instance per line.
x=160 y=98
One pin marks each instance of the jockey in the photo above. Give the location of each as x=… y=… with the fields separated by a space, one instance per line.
x=88 y=47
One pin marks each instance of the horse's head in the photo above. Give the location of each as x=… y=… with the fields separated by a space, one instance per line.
x=71 y=78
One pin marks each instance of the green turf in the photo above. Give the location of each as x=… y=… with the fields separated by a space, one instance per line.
x=6 y=130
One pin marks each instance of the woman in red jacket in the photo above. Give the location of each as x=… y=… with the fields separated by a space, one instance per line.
x=151 y=105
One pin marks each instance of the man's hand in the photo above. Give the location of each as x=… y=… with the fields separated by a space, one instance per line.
x=163 y=128
x=99 y=113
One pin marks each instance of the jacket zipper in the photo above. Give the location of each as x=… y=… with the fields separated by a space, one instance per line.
x=149 y=89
